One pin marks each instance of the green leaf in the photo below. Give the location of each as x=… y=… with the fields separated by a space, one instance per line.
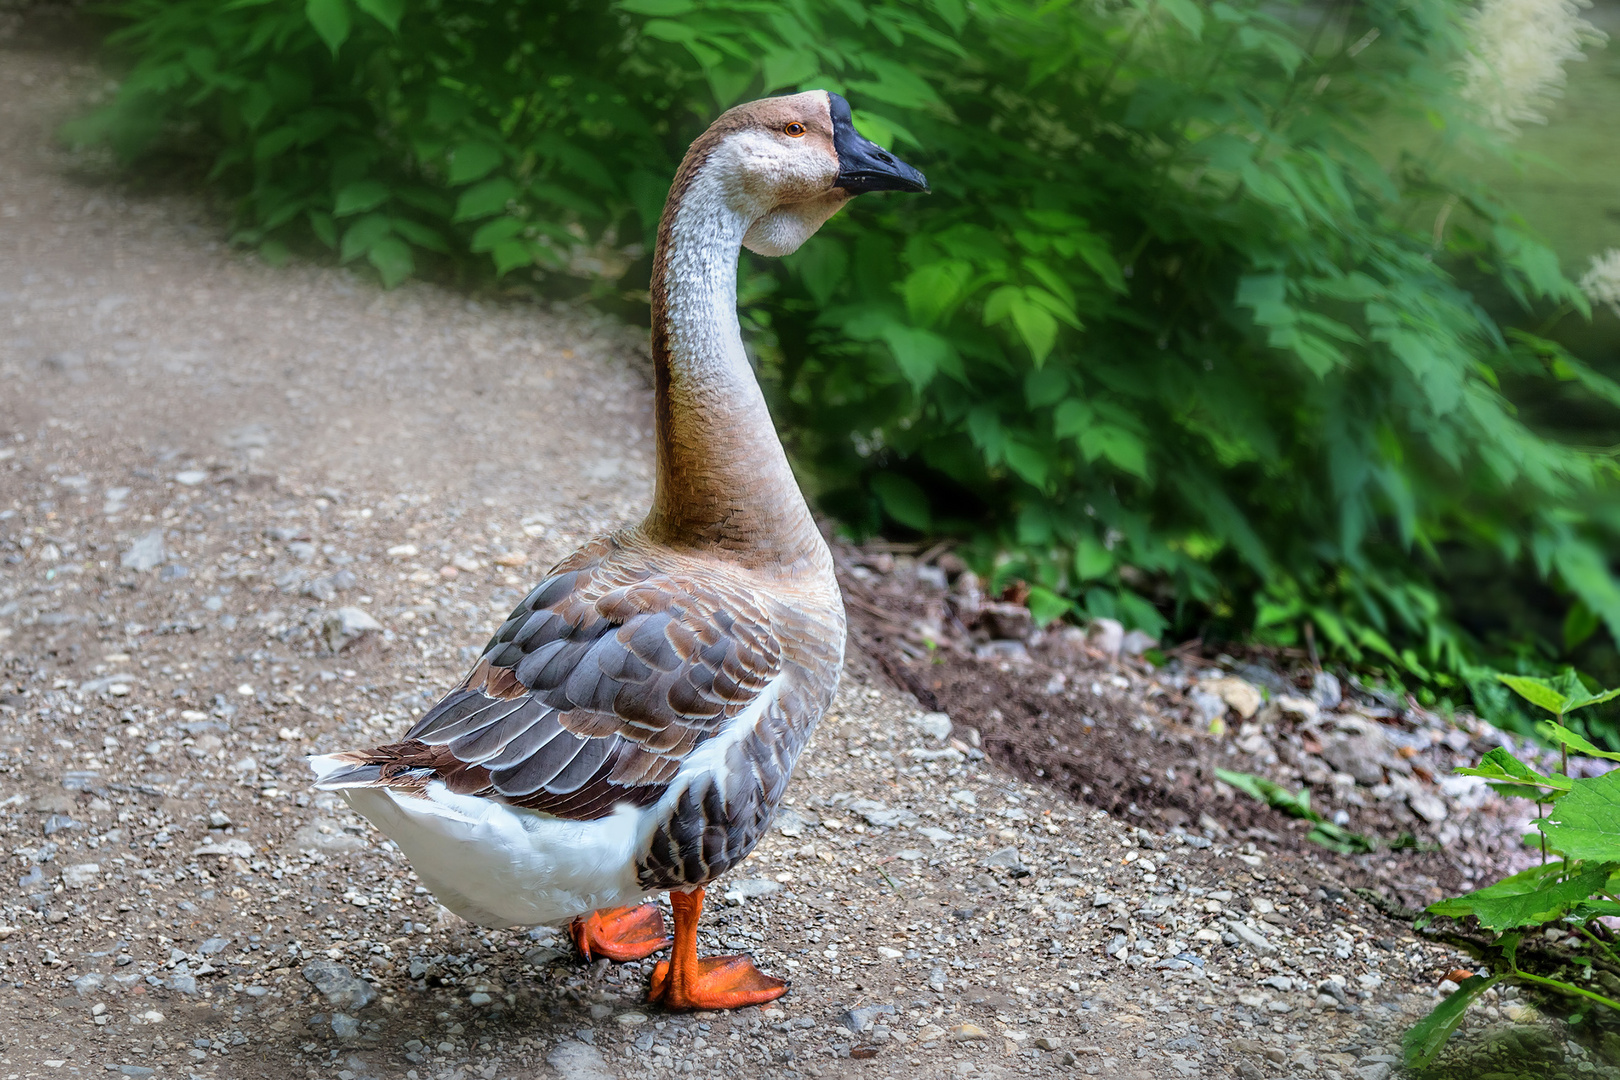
x=1510 y=776
x=358 y=197
x=473 y=161
x=921 y=354
x=510 y=255
x=1046 y=606
x=330 y=18
x=363 y=235
x=1556 y=733
x=387 y=12
x=656 y=8
x=821 y=263
x=1091 y=559
x=322 y=226
x=392 y=258
x=1585 y=824
x=1426 y=1038
x=1187 y=14
x=274 y=252
x=930 y=291
x=902 y=500
x=1119 y=446
x=490 y=233
x=1529 y=898
x=484 y=200
x=1537 y=692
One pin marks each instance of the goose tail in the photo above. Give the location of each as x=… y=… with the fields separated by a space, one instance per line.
x=345 y=769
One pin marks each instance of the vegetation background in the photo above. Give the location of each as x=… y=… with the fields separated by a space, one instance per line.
x=1227 y=319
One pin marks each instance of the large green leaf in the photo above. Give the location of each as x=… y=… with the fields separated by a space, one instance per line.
x=1585 y=824
x=1428 y=1035
x=330 y=18
x=902 y=500
x=359 y=196
x=474 y=161
x=1555 y=733
x=1510 y=776
x=392 y=258
x=387 y=12
x=485 y=199
x=1529 y=898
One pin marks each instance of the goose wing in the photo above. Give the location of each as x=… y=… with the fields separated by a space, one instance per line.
x=591 y=694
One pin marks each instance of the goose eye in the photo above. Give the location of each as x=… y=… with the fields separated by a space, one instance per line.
x=795 y=130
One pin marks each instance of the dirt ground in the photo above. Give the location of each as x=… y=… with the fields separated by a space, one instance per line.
x=248 y=514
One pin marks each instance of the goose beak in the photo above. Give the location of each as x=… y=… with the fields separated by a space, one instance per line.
x=863 y=165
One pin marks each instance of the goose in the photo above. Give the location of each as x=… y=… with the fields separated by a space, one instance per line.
x=631 y=728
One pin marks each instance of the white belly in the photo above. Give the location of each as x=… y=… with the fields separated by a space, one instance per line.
x=498 y=866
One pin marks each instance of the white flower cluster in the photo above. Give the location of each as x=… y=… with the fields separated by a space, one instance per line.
x=1514 y=68
x=1602 y=281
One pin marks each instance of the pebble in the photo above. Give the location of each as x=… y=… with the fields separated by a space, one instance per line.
x=968 y=1033
x=144 y=554
x=347 y=625
x=933 y=725
x=577 y=1061
x=80 y=875
x=339 y=985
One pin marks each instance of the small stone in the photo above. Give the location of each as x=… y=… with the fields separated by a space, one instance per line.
x=1251 y=938
x=182 y=984
x=218 y=819
x=478 y=997
x=1325 y=690
x=1005 y=858
x=630 y=1019
x=741 y=890
x=213 y=946
x=935 y=725
x=859 y=1019
x=1137 y=642
x=146 y=553
x=345 y=626
x=191 y=477
x=512 y=558
x=577 y=1061
x=1378 y=1070
x=968 y=1033
x=1243 y=698
x=1427 y=806
x=910 y=854
x=80 y=874
x=339 y=985
x=1278 y=982
x=84 y=984
x=1048 y=1042
x=1370 y=981
x=345 y=1027
x=1277 y=1005
x=1107 y=636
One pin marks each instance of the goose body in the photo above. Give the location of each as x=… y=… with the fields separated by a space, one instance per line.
x=632 y=726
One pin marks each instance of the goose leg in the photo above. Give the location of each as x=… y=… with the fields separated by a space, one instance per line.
x=715 y=982
x=623 y=933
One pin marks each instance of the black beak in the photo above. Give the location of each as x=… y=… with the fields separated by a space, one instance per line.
x=863 y=165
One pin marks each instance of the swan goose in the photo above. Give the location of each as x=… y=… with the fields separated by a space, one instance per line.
x=631 y=728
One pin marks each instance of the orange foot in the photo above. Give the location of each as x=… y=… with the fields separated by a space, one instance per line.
x=625 y=933
x=715 y=982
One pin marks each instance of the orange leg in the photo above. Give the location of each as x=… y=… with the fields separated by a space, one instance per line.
x=716 y=982
x=624 y=933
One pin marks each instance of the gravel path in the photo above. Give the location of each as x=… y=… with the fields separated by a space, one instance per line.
x=248 y=514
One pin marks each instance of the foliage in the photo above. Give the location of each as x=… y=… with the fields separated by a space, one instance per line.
x=1298 y=804
x=1581 y=828
x=1176 y=339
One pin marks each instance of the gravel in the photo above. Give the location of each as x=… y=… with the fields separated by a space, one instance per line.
x=426 y=455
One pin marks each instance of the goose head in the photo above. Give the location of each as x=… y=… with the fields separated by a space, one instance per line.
x=792 y=162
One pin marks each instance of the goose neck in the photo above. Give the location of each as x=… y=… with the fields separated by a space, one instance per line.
x=722 y=476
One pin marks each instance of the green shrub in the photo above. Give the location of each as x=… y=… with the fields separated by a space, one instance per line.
x=1177 y=338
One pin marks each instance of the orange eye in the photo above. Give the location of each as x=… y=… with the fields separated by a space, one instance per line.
x=795 y=130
